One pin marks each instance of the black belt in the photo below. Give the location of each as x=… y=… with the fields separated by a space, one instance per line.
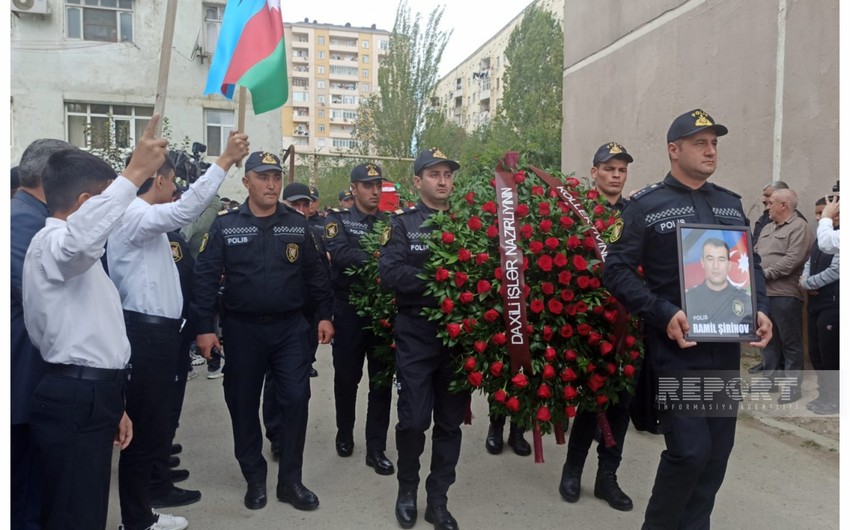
x=89 y=373
x=153 y=320
x=263 y=319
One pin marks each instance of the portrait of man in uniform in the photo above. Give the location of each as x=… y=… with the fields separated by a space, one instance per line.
x=716 y=284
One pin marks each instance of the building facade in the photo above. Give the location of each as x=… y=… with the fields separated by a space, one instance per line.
x=470 y=94
x=331 y=69
x=86 y=71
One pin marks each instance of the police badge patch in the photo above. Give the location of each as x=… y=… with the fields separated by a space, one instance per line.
x=292 y=252
x=386 y=234
x=176 y=251
x=738 y=307
x=204 y=242
x=616 y=230
x=331 y=230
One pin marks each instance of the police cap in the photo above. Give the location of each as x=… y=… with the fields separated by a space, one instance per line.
x=432 y=157
x=691 y=123
x=295 y=191
x=366 y=173
x=611 y=150
x=260 y=161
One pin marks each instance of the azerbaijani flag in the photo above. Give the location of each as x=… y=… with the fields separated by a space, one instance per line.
x=250 y=53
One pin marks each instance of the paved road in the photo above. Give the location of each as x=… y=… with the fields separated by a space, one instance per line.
x=773 y=481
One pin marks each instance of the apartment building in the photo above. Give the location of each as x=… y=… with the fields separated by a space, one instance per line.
x=331 y=69
x=470 y=94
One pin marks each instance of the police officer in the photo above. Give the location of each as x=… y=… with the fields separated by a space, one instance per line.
x=423 y=363
x=346 y=199
x=272 y=268
x=609 y=174
x=715 y=300
x=698 y=445
x=353 y=343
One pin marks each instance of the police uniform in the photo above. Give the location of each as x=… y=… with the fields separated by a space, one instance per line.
x=352 y=342
x=708 y=309
x=271 y=270
x=698 y=446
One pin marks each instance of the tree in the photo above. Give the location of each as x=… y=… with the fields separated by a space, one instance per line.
x=391 y=122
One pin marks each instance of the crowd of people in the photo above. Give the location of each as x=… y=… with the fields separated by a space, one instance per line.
x=118 y=278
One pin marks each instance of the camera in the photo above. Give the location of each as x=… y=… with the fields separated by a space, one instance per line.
x=189 y=167
x=835 y=188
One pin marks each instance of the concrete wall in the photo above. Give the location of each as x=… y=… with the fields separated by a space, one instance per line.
x=47 y=69
x=767 y=69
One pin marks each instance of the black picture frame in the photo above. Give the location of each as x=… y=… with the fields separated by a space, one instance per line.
x=718 y=295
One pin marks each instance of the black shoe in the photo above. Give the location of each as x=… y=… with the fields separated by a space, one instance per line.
x=255 y=497
x=379 y=461
x=344 y=445
x=495 y=439
x=814 y=403
x=175 y=497
x=756 y=369
x=178 y=475
x=607 y=489
x=298 y=496
x=517 y=441
x=440 y=517
x=823 y=408
x=276 y=449
x=405 y=508
x=176 y=449
x=313 y=372
x=570 y=488
x=173 y=461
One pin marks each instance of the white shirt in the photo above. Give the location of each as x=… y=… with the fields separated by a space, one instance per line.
x=71 y=308
x=828 y=237
x=139 y=254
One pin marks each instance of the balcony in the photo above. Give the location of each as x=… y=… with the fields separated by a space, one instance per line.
x=302 y=57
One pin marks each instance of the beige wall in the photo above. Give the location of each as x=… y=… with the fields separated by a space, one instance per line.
x=631 y=67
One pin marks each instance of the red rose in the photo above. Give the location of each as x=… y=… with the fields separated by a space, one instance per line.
x=596 y=382
x=548 y=372
x=536 y=247
x=595 y=283
x=552 y=243
x=566 y=331
x=460 y=278
x=555 y=307
x=543 y=414
x=573 y=242
x=594 y=338
x=496 y=368
x=584 y=329
x=544 y=263
x=581 y=306
x=469 y=324
x=492 y=183
x=566 y=222
x=629 y=341
x=512 y=404
x=550 y=354
x=600 y=225
x=499 y=396
x=482 y=258
x=519 y=177
x=544 y=208
x=521 y=210
x=441 y=274
x=583 y=282
x=579 y=263
x=492 y=231
x=547 y=333
x=611 y=316
x=548 y=288
x=570 y=355
x=589 y=368
x=479 y=346
x=560 y=260
x=519 y=380
x=474 y=223
x=571 y=310
x=497 y=273
x=498 y=339
x=601 y=400
x=565 y=277
x=491 y=315
x=605 y=348
x=570 y=393
x=470 y=197
x=634 y=355
x=475 y=379
x=483 y=286
x=599 y=209
x=536 y=306
x=570 y=411
x=611 y=368
x=464 y=255
x=629 y=370
x=526 y=231
x=448 y=238
x=592 y=194
x=589 y=243
x=465 y=297
x=386 y=323
x=545 y=226
x=567 y=374
x=447 y=306
x=469 y=364
x=537 y=190
x=544 y=392
x=489 y=207
x=572 y=182
x=453 y=330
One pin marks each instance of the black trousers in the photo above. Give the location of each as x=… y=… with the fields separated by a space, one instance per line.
x=252 y=349
x=584 y=428
x=149 y=387
x=423 y=374
x=824 y=350
x=353 y=344
x=25 y=482
x=73 y=424
x=783 y=355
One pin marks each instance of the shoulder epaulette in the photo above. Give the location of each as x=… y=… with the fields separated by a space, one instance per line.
x=647 y=190
x=401 y=211
x=339 y=210
x=730 y=192
x=228 y=210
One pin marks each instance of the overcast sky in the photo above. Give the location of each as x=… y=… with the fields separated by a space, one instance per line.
x=473 y=22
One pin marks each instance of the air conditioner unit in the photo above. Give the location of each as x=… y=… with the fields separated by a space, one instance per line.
x=34 y=7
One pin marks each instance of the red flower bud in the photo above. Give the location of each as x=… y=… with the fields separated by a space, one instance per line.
x=584 y=329
x=572 y=182
x=605 y=348
x=571 y=310
x=479 y=346
x=567 y=374
x=583 y=282
x=441 y=274
x=573 y=242
x=544 y=392
x=570 y=393
x=447 y=306
x=560 y=260
x=470 y=197
x=386 y=323
x=548 y=372
x=453 y=330
x=629 y=370
x=570 y=411
x=512 y=404
x=492 y=231
x=555 y=307
x=566 y=222
x=589 y=243
x=465 y=297
x=483 y=286
x=543 y=414
x=536 y=247
x=545 y=225
x=594 y=338
x=579 y=263
x=547 y=333
x=592 y=194
x=489 y=207
x=497 y=273
x=536 y=306
x=544 y=263
x=547 y=287
x=611 y=368
x=564 y=277
x=448 y=238
x=544 y=208
x=463 y=255
x=589 y=368
x=581 y=306
x=482 y=258
x=566 y=331
x=526 y=231
x=537 y=190
x=599 y=209
x=521 y=210
x=491 y=315
x=552 y=243
x=596 y=382
x=498 y=339
x=595 y=283
x=496 y=369
x=570 y=355
x=460 y=278
x=634 y=354
x=469 y=364
x=475 y=379
x=469 y=324
x=610 y=316
x=519 y=177
x=519 y=380
x=601 y=400
x=499 y=396
x=629 y=341
x=550 y=354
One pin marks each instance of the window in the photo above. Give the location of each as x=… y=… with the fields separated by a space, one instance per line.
x=345 y=143
x=365 y=74
x=383 y=44
x=320 y=84
x=321 y=100
x=321 y=114
x=99 y=20
x=301 y=97
x=321 y=40
x=365 y=58
x=213 y=14
x=321 y=128
x=365 y=44
x=321 y=69
x=321 y=142
x=364 y=87
x=99 y=126
x=343 y=70
x=321 y=55
x=219 y=123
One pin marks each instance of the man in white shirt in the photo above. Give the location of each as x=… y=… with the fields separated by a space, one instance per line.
x=829 y=236
x=143 y=270
x=73 y=316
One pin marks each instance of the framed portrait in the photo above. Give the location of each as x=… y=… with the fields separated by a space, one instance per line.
x=716 y=280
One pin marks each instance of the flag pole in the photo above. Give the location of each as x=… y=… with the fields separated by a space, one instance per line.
x=164 y=62
x=240 y=117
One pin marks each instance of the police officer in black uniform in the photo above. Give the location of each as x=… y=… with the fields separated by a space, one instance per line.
x=716 y=301
x=271 y=268
x=609 y=174
x=698 y=444
x=352 y=343
x=423 y=363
